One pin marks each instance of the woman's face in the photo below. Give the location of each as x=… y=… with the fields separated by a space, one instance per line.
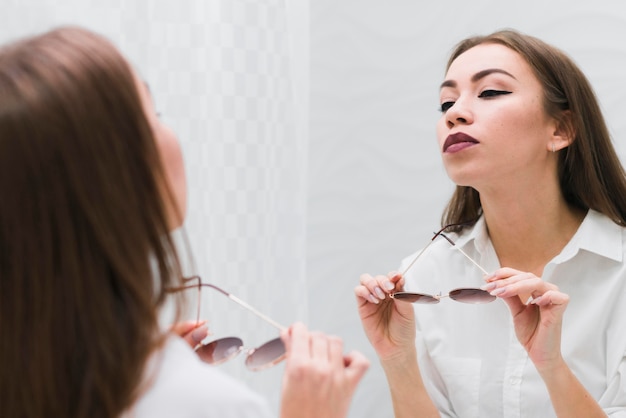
x=493 y=130
x=171 y=156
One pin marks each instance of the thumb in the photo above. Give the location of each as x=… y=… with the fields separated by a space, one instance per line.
x=356 y=364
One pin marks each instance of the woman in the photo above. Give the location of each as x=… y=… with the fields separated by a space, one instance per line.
x=91 y=184
x=540 y=205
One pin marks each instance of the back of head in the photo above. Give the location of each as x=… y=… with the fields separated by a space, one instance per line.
x=589 y=169
x=82 y=227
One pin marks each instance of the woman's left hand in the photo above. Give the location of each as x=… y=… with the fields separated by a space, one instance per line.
x=537 y=308
x=191 y=331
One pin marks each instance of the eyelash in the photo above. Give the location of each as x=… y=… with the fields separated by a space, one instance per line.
x=486 y=94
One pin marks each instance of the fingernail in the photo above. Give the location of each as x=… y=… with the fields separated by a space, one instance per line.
x=379 y=292
x=373 y=299
x=498 y=291
x=490 y=277
x=489 y=286
x=536 y=300
x=200 y=333
x=388 y=285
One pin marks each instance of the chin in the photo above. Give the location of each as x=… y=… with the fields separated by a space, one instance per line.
x=464 y=176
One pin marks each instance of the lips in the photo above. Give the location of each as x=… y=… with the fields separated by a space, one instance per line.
x=458 y=141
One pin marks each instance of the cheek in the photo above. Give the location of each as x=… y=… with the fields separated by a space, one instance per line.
x=176 y=168
x=442 y=132
x=172 y=157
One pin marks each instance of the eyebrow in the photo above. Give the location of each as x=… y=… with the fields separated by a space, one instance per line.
x=479 y=75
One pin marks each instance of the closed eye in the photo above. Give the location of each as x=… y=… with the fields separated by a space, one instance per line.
x=493 y=93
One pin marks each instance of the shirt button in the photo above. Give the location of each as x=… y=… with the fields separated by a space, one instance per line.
x=515 y=380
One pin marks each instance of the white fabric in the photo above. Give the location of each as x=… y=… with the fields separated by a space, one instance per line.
x=185 y=387
x=470 y=359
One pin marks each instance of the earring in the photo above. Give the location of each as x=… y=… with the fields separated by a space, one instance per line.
x=553 y=147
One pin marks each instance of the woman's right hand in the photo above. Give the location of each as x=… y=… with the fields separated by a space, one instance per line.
x=388 y=324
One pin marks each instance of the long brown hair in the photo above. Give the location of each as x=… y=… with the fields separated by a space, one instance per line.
x=85 y=252
x=589 y=170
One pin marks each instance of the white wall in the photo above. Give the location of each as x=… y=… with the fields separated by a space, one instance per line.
x=376 y=186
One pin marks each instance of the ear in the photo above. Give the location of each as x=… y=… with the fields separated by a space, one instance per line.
x=564 y=132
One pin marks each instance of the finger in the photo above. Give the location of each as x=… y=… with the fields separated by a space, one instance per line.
x=498 y=281
x=335 y=350
x=521 y=284
x=182 y=328
x=515 y=305
x=285 y=336
x=319 y=346
x=356 y=365
x=363 y=294
x=196 y=336
x=551 y=297
x=298 y=343
x=379 y=286
x=397 y=279
x=192 y=332
x=373 y=285
x=502 y=273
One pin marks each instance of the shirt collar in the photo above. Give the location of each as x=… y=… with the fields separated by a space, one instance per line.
x=597 y=234
x=476 y=233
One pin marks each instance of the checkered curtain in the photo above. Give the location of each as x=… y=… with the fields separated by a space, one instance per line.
x=222 y=75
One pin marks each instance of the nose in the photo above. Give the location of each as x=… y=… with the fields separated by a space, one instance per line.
x=459 y=114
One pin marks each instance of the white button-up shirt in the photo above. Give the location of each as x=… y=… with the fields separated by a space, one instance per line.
x=470 y=358
x=182 y=386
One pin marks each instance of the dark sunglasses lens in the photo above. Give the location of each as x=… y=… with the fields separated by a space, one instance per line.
x=267 y=355
x=219 y=351
x=471 y=296
x=415 y=297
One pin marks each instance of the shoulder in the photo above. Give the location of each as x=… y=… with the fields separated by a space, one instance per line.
x=598 y=234
x=180 y=385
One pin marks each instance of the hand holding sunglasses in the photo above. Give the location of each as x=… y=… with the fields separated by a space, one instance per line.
x=470 y=295
x=224 y=349
x=462 y=294
x=319 y=379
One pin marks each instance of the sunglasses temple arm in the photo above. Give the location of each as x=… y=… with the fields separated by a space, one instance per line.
x=416 y=258
x=245 y=305
x=257 y=313
x=465 y=254
x=472 y=260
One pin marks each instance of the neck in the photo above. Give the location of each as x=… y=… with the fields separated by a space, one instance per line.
x=527 y=234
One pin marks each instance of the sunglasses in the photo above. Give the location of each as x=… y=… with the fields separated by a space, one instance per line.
x=224 y=349
x=462 y=294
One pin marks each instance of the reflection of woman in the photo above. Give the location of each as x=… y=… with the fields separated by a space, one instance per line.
x=522 y=136
x=91 y=184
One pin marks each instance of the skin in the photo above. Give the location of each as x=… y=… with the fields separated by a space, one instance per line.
x=319 y=380
x=171 y=156
x=491 y=95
